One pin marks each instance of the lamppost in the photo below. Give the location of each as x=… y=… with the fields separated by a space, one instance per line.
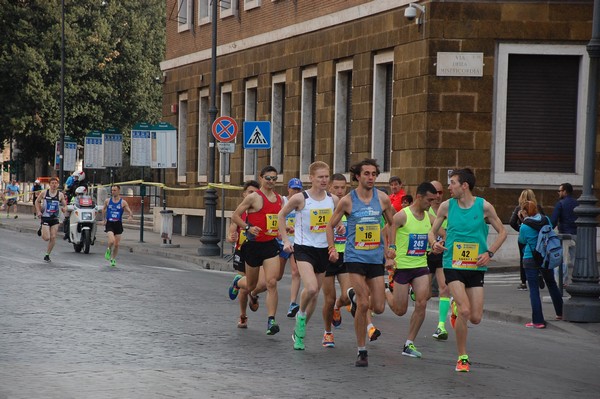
x=209 y=238
x=584 y=305
x=61 y=144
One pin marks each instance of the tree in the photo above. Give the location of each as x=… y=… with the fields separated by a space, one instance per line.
x=112 y=54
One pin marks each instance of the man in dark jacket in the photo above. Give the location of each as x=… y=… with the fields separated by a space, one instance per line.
x=564 y=218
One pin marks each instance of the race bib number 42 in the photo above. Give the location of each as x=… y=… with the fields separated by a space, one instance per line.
x=464 y=255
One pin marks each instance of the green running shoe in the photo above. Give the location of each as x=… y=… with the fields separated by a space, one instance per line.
x=300 y=329
x=113 y=263
x=298 y=342
x=440 y=334
x=107 y=254
x=411 y=351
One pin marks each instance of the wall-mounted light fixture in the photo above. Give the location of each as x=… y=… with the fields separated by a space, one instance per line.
x=411 y=13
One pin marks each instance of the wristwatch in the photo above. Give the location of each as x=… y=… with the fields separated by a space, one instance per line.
x=247 y=227
x=490 y=254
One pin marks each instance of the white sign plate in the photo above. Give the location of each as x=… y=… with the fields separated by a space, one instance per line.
x=460 y=64
x=226 y=148
x=141 y=148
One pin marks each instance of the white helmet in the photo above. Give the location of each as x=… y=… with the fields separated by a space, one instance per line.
x=81 y=190
x=79 y=175
x=37 y=181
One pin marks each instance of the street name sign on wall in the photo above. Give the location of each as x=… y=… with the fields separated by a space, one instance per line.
x=112 y=140
x=459 y=64
x=164 y=146
x=141 y=145
x=257 y=135
x=93 y=150
x=69 y=154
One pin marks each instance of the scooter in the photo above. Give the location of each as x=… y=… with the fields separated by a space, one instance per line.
x=82 y=224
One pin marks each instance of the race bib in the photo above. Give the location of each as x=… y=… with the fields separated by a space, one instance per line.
x=290 y=222
x=367 y=237
x=464 y=255
x=319 y=219
x=272 y=225
x=340 y=238
x=242 y=237
x=52 y=207
x=417 y=245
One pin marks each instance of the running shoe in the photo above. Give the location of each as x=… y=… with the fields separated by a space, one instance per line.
x=300 y=329
x=298 y=342
x=454 y=313
x=411 y=293
x=39 y=232
x=233 y=288
x=16 y=216
x=294 y=308
x=337 y=317
x=440 y=334
x=272 y=327
x=243 y=322
x=47 y=258
x=463 y=364
x=253 y=302
x=411 y=351
x=352 y=307
x=113 y=263
x=522 y=287
x=362 y=359
x=374 y=333
x=107 y=254
x=539 y=326
x=328 y=340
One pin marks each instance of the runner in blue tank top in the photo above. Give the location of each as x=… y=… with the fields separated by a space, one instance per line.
x=364 y=255
x=466 y=253
x=114 y=207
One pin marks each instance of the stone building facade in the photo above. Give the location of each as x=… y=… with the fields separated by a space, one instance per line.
x=499 y=86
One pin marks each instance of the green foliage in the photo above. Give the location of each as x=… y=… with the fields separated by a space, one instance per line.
x=112 y=54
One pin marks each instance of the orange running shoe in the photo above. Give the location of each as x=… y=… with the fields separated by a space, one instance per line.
x=463 y=365
x=374 y=333
x=337 y=317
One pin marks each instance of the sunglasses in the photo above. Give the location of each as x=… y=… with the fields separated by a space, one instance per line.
x=270 y=178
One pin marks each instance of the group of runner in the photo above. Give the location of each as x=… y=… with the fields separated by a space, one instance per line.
x=50 y=202
x=355 y=237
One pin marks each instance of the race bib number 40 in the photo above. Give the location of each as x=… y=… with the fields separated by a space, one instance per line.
x=319 y=219
x=368 y=236
x=464 y=255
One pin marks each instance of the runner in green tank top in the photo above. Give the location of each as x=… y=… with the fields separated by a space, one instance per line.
x=466 y=254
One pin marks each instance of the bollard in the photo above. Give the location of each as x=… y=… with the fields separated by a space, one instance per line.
x=166 y=230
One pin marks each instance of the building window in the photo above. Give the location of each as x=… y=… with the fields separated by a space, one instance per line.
x=225 y=111
x=229 y=8
x=539 y=127
x=308 y=122
x=278 y=122
x=383 y=81
x=182 y=139
x=250 y=4
x=250 y=158
x=204 y=130
x=343 y=117
x=184 y=15
x=204 y=11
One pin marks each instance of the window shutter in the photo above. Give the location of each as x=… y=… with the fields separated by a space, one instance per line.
x=541 y=113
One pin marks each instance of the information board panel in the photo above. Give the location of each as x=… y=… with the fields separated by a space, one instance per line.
x=93 y=151
x=112 y=140
x=164 y=146
x=141 y=145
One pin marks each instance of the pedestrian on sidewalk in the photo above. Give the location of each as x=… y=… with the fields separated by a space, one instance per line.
x=563 y=217
x=533 y=221
x=515 y=223
x=35 y=192
x=47 y=205
x=11 y=194
x=112 y=218
x=466 y=253
x=261 y=249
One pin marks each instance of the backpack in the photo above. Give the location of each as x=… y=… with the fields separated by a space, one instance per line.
x=548 y=252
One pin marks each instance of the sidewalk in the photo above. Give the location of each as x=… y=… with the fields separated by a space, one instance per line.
x=503 y=302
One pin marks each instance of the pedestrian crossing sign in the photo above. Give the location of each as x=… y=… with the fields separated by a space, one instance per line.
x=257 y=135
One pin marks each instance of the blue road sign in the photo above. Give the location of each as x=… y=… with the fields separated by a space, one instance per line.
x=257 y=135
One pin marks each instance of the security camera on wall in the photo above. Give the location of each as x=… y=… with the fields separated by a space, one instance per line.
x=410 y=13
